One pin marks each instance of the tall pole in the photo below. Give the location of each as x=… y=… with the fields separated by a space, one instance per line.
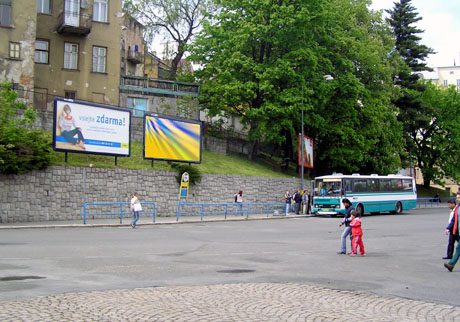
x=301 y=148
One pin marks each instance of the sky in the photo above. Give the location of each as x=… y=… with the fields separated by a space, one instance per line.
x=441 y=23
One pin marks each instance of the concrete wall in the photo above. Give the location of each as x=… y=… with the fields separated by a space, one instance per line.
x=58 y=193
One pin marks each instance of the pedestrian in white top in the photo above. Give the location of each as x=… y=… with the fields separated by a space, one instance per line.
x=135 y=208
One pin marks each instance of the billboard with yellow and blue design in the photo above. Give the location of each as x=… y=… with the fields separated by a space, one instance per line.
x=172 y=139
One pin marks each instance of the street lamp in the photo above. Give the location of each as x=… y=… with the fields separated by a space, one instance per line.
x=302 y=141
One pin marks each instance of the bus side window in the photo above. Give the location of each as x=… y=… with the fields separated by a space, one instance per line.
x=359 y=186
x=347 y=185
x=373 y=185
x=385 y=185
x=407 y=185
x=396 y=185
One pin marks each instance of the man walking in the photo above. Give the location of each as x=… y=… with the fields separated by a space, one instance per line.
x=454 y=228
x=449 y=231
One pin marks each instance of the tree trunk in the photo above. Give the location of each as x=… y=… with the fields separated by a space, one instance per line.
x=176 y=60
x=253 y=150
x=287 y=150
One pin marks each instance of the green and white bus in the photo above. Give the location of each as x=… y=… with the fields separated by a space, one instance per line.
x=368 y=193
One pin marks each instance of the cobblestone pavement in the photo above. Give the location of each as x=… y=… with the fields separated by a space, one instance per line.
x=226 y=302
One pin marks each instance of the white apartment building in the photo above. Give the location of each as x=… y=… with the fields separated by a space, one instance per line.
x=446 y=76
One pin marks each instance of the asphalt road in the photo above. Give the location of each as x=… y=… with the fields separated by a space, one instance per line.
x=403 y=257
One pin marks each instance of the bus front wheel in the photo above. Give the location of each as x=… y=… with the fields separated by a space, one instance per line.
x=360 y=209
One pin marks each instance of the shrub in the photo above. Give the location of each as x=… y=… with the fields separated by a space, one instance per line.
x=194 y=173
x=21 y=149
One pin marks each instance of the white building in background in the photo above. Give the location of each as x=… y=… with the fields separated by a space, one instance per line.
x=445 y=76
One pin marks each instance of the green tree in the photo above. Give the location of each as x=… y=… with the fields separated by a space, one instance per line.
x=402 y=19
x=21 y=149
x=413 y=114
x=264 y=61
x=438 y=142
x=176 y=20
x=356 y=127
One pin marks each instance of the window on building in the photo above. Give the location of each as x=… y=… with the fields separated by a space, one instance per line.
x=5 y=12
x=445 y=82
x=138 y=105
x=70 y=56
x=100 y=10
x=42 y=48
x=70 y=94
x=99 y=59
x=15 y=50
x=43 y=6
x=458 y=82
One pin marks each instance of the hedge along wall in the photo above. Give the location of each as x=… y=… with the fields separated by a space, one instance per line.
x=59 y=192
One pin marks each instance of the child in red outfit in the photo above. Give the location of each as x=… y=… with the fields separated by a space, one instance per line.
x=357 y=234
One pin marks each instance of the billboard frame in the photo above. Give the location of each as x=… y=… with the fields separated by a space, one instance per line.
x=55 y=120
x=155 y=115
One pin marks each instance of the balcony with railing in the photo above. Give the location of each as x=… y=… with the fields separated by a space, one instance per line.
x=74 y=23
x=135 y=57
x=153 y=86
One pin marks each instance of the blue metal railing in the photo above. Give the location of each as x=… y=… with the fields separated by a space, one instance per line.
x=119 y=211
x=428 y=201
x=238 y=209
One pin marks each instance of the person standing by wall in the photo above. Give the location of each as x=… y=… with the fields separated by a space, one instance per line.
x=346 y=221
x=307 y=205
x=135 y=208
x=297 y=200
x=449 y=231
x=239 y=203
x=287 y=199
x=304 y=202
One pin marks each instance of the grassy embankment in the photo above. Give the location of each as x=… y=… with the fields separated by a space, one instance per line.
x=211 y=163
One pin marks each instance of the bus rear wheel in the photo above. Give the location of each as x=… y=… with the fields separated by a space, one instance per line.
x=360 y=209
x=398 y=208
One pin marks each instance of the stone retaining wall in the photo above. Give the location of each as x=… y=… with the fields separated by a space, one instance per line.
x=59 y=192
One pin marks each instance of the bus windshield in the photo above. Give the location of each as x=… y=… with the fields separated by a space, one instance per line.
x=328 y=187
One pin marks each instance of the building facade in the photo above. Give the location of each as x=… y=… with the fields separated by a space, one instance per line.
x=87 y=50
x=18 y=23
x=444 y=76
x=77 y=50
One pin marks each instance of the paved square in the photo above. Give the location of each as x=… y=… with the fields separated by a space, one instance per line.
x=264 y=270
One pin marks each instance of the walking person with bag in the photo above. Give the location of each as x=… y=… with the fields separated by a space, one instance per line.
x=239 y=203
x=136 y=208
